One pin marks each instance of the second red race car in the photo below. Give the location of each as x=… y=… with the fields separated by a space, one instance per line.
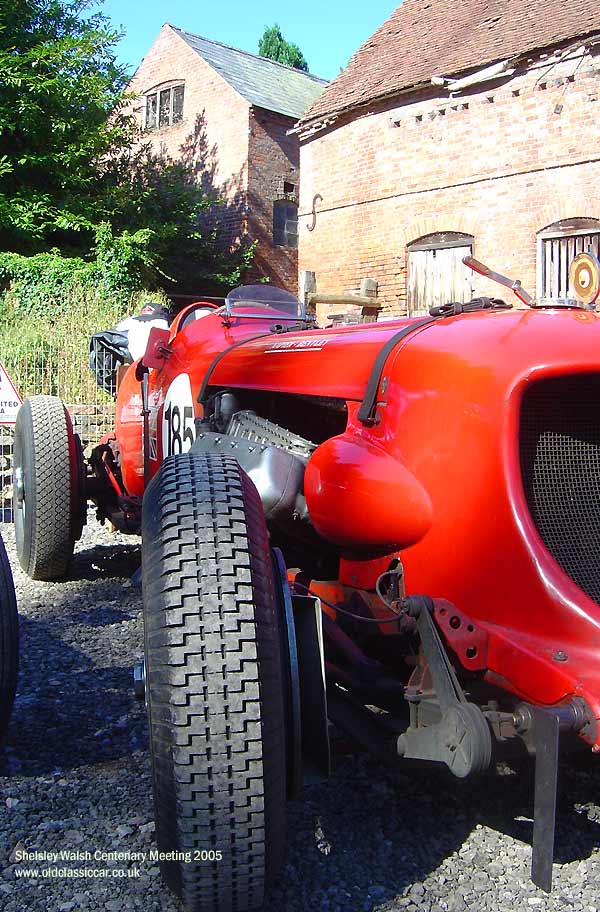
x=394 y=526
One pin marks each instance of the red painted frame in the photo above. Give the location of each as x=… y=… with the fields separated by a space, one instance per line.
x=437 y=478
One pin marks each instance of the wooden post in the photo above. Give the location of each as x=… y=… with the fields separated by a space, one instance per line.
x=307 y=286
x=366 y=300
x=369 y=289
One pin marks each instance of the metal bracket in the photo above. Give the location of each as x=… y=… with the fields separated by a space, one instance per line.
x=462 y=738
x=316 y=757
x=546 y=731
x=542 y=725
x=141 y=374
x=293 y=718
x=305 y=700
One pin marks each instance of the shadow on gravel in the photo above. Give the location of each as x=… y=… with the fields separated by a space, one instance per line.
x=78 y=642
x=386 y=832
x=71 y=709
x=509 y=808
x=105 y=561
x=383 y=834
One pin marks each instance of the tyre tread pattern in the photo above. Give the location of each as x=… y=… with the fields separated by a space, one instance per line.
x=45 y=428
x=214 y=681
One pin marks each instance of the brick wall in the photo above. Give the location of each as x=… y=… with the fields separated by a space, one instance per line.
x=212 y=139
x=273 y=159
x=242 y=154
x=497 y=163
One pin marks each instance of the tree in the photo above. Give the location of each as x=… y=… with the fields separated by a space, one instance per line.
x=60 y=83
x=74 y=174
x=273 y=45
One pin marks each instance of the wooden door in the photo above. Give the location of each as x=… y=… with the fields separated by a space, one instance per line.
x=437 y=276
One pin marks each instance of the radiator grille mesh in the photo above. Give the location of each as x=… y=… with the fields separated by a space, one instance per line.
x=560 y=463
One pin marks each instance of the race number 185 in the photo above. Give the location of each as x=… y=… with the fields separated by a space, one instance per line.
x=178 y=427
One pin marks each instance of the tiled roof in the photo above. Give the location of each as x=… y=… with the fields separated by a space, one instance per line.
x=423 y=38
x=263 y=82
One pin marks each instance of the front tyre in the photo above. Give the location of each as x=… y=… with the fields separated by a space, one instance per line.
x=47 y=488
x=214 y=683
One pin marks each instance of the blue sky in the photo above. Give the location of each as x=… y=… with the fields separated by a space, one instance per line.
x=327 y=31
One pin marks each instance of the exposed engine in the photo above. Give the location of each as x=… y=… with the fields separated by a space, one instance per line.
x=273 y=457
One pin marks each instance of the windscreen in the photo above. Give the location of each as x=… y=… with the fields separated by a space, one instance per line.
x=275 y=299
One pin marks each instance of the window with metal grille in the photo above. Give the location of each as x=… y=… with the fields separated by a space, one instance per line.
x=558 y=245
x=436 y=272
x=285 y=224
x=164 y=107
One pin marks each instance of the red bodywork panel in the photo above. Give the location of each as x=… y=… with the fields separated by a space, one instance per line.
x=437 y=478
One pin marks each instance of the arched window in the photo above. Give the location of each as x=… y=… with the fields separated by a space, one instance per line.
x=163 y=106
x=436 y=272
x=558 y=245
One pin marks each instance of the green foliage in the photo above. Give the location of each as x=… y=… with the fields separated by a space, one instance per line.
x=49 y=311
x=273 y=45
x=44 y=285
x=60 y=83
x=74 y=175
x=172 y=215
x=124 y=262
x=39 y=284
x=46 y=351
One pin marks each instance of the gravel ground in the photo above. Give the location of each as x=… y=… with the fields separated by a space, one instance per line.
x=76 y=776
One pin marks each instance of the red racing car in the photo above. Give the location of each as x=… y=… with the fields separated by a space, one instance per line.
x=394 y=526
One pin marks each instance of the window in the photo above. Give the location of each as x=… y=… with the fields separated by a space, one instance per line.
x=177 y=107
x=558 y=245
x=436 y=272
x=150 y=112
x=285 y=224
x=164 y=107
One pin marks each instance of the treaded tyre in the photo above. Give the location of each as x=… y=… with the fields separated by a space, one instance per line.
x=214 y=683
x=9 y=642
x=47 y=488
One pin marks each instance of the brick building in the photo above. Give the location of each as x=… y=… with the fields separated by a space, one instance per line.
x=457 y=127
x=226 y=114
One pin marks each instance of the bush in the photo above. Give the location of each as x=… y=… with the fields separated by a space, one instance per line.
x=42 y=283
x=51 y=356
x=37 y=286
x=50 y=306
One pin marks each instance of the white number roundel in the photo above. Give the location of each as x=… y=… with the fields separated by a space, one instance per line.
x=178 y=428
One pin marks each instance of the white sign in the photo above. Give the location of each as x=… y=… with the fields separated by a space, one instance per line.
x=178 y=428
x=10 y=401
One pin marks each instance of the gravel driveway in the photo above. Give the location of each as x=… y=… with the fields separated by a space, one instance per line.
x=75 y=776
